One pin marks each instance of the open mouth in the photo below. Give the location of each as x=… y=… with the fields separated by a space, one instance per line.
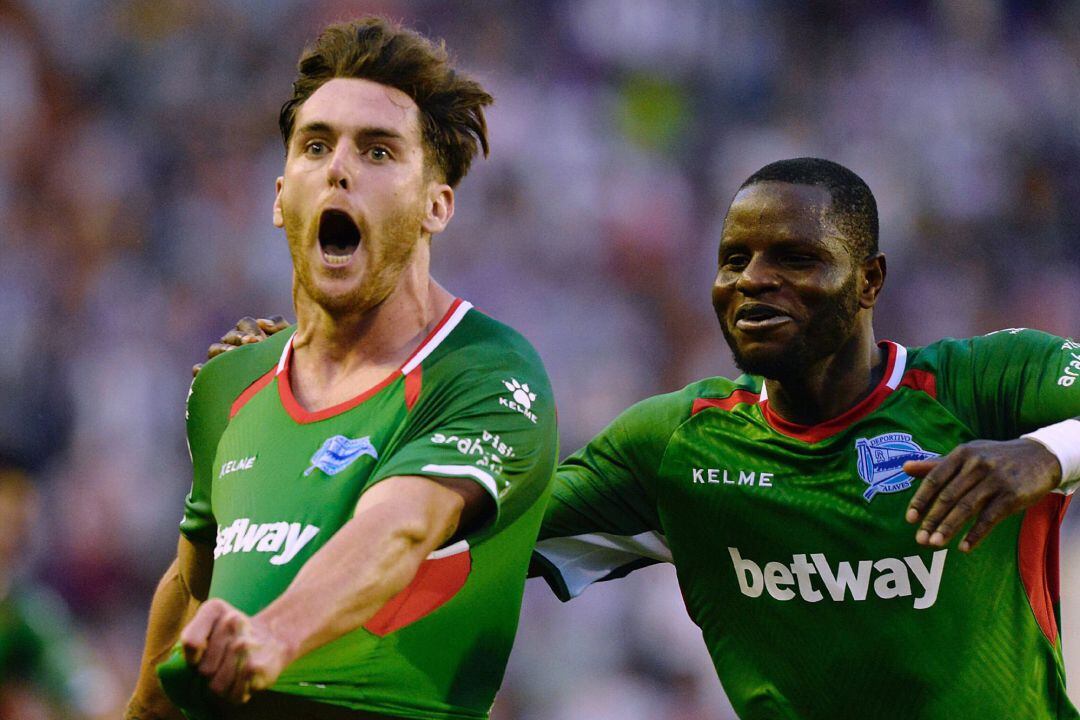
x=338 y=237
x=758 y=316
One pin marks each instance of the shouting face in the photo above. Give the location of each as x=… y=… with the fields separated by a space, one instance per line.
x=788 y=292
x=356 y=197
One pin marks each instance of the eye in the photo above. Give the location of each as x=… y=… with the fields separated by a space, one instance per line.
x=379 y=153
x=316 y=148
x=734 y=262
x=798 y=260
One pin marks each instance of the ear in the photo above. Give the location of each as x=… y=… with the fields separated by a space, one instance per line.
x=871 y=280
x=440 y=208
x=279 y=217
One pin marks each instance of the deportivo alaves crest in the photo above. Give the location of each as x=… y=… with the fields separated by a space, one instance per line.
x=881 y=462
x=339 y=452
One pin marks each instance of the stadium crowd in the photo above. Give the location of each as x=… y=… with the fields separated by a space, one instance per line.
x=136 y=181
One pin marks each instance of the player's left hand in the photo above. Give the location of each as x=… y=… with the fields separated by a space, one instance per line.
x=236 y=652
x=982 y=480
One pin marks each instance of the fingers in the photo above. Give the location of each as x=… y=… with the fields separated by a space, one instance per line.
x=218 y=642
x=216 y=349
x=248 y=325
x=195 y=637
x=219 y=661
x=195 y=369
x=939 y=532
x=273 y=324
x=954 y=499
x=236 y=337
x=934 y=478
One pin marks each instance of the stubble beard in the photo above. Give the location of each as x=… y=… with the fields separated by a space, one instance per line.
x=831 y=325
x=384 y=262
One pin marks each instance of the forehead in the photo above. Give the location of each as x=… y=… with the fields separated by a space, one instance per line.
x=350 y=104
x=778 y=211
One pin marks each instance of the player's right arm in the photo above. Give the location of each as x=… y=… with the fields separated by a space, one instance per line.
x=601 y=521
x=179 y=594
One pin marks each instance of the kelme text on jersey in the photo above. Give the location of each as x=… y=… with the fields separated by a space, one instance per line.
x=807 y=576
x=283 y=539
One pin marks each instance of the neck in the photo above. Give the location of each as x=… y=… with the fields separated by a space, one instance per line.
x=831 y=386
x=337 y=355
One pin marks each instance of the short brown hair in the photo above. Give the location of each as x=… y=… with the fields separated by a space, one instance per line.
x=374 y=48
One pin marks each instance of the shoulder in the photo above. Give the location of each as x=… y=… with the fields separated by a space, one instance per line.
x=1011 y=345
x=479 y=344
x=225 y=377
x=660 y=415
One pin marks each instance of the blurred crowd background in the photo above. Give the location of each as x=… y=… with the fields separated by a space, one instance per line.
x=138 y=157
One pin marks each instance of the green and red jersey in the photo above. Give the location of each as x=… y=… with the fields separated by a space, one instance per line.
x=273 y=482
x=791 y=548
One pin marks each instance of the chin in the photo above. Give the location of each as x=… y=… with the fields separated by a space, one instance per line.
x=772 y=365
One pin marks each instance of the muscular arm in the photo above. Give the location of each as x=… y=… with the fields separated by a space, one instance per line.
x=375 y=555
x=178 y=596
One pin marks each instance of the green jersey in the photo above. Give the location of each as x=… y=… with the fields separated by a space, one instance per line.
x=274 y=482
x=791 y=548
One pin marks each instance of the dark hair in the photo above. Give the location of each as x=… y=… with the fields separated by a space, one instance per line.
x=374 y=48
x=853 y=211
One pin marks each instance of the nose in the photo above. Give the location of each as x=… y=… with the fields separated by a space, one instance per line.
x=758 y=276
x=338 y=171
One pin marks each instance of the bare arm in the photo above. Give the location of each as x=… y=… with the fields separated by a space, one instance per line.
x=177 y=598
x=370 y=559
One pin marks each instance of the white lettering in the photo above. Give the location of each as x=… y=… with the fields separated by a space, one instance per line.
x=727 y=476
x=294 y=542
x=777 y=578
x=244 y=536
x=803 y=570
x=930 y=580
x=893 y=581
x=236 y=465
x=846 y=579
x=746 y=569
x=274 y=538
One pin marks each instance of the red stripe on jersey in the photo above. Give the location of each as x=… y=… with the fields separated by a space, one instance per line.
x=251 y=391
x=739 y=396
x=413 y=382
x=302 y=415
x=821 y=431
x=435 y=583
x=922 y=380
x=1037 y=556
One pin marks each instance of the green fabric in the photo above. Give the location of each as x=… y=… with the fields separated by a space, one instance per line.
x=270 y=502
x=814 y=601
x=39 y=645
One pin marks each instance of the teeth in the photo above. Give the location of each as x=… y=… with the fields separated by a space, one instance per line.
x=336 y=259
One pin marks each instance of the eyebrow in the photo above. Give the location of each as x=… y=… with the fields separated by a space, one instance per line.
x=368 y=132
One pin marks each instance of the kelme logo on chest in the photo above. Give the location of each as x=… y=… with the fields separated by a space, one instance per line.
x=339 y=452
x=881 y=462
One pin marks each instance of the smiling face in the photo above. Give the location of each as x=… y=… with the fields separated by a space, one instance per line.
x=788 y=292
x=356 y=198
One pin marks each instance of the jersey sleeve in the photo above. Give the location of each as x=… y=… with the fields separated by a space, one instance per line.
x=1013 y=381
x=205 y=424
x=601 y=522
x=209 y=404
x=493 y=424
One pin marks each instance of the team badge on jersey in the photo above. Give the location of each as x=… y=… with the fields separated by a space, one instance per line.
x=339 y=452
x=881 y=462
